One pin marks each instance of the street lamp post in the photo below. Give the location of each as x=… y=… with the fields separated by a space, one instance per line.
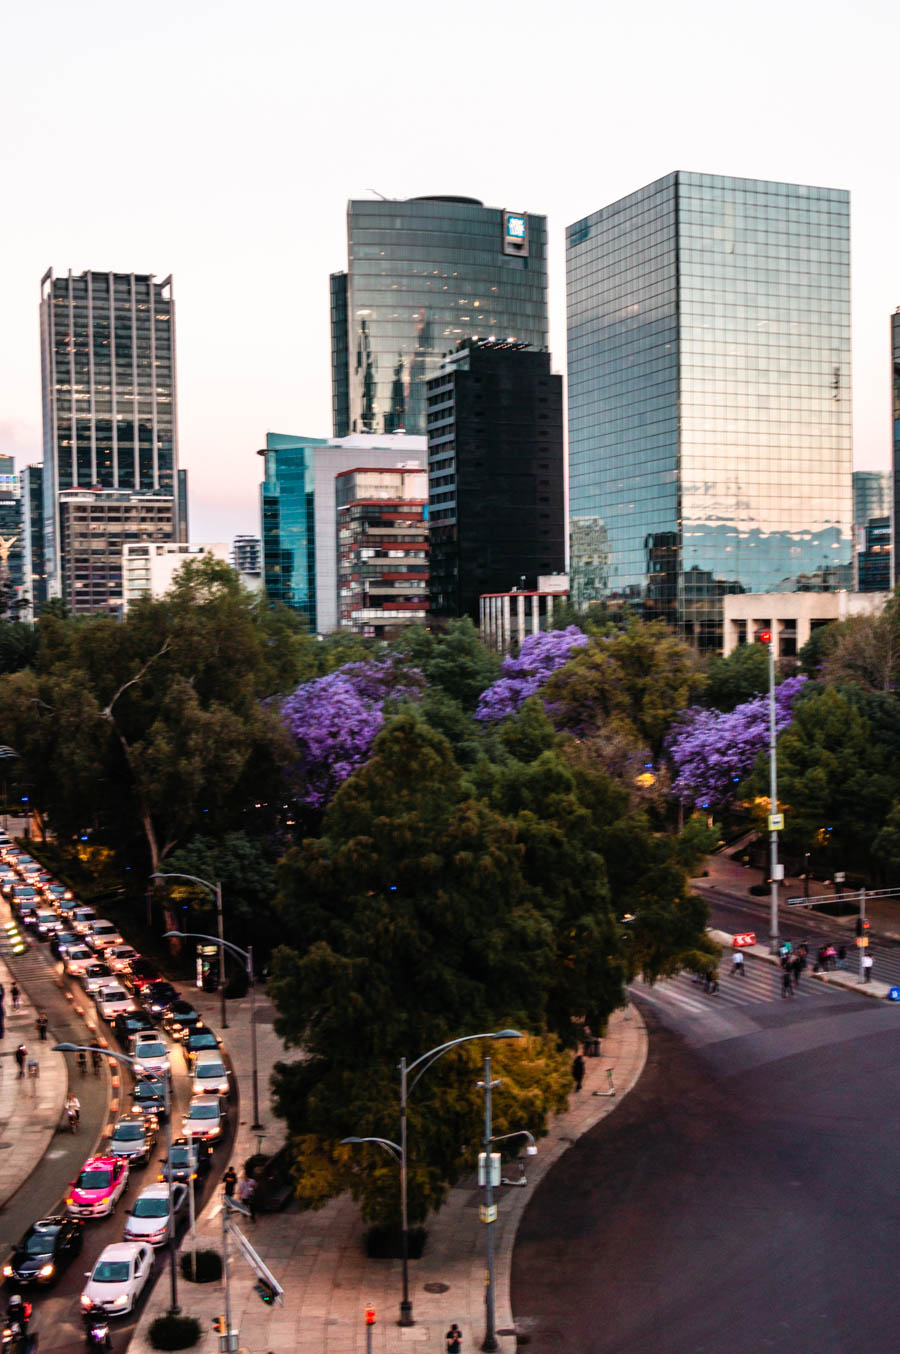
x=216 y=891
x=247 y=956
x=398 y=1150
x=768 y=638
x=489 y=1208
x=133 y=1063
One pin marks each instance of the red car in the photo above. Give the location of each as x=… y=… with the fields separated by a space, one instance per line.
x=98 y=1188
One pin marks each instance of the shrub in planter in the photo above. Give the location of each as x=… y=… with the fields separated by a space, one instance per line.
x=254 y=1164
x=174 y=1332
x=201 y=1266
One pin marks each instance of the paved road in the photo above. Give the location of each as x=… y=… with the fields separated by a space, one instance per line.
x=738 y=914
x=742 y=1199
x=57 y=1311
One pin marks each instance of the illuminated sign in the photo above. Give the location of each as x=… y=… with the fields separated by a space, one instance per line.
x=515 y=233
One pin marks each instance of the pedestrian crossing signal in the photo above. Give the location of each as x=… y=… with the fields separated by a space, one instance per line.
x=370 y=1316
x=265 y=1292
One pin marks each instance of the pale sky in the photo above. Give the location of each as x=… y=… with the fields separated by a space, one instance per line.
x=220 y=142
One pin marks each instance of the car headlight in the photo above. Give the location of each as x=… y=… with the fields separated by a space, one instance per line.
x=45 y=1271
x=7 y=1271
x=120 y=1301
x=214 y=1131
x=86 y=1302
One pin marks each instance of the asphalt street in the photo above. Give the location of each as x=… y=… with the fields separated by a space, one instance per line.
x=57 y=1317
x=741 y=1199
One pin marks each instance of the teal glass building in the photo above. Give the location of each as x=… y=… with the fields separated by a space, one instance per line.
x=423 y=274
x=709 y=396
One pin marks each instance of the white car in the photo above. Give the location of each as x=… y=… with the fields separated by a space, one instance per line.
x=120 y=958
x=205 y=1118
x=210 y=1075
x=95 y=976
x=118 y=1278
x=78 y=959
x=151 y=1053
x=101 y=933
x=149 y=1219
x=113 y=1001
x=82 y=918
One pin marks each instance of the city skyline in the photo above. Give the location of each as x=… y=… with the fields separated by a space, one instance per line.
x=252 y=220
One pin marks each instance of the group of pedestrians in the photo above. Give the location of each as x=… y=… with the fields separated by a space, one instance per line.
x=793 y=963
x=14 y=993
x=246 y=1190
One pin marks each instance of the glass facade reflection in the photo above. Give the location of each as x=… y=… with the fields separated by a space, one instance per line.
x=108 y=381
x=709 y=396
x=423 y=274
x=872 y=501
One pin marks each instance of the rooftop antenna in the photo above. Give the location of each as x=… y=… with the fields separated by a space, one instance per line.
x=377 y=194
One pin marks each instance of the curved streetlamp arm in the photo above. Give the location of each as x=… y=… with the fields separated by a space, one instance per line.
x=392 y=1148
x=178 y=875
x=213 y=940
x=430 y=1058
x=519 y=1133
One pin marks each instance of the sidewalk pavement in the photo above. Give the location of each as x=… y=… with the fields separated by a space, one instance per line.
x=319 y=1257
x=30 y=1107
x=847 y=978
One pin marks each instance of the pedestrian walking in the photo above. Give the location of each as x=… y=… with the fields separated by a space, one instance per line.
x=737 y=964
x=41 y=1026
x=578 y=1071
x=21 y=1055
x=454 y=1339
x=14 y=990
x=2 y=1021
x=868 y=961
x=842 y=957
x=711 y=981
x=247 y=1196
x=830 y=957
x=229 y=1180
x=797 y=968
x=787 y=985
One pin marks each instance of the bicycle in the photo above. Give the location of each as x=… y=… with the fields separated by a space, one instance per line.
x=73 y=1117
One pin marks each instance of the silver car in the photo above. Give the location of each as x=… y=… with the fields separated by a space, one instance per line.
x=149 y=1219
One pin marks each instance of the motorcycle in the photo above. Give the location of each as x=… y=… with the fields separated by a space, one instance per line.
x=16 y=1340
x=96 y=1330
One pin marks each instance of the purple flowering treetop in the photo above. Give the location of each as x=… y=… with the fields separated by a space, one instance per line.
x=712 y=752
x=335 y=719
x=538 y=658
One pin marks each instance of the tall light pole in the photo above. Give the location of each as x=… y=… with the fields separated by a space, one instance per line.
x=489 y=1208
x=133 y=1063
x=216 y=891
x=767 y=637
x=247 y=956
x=399 y=1150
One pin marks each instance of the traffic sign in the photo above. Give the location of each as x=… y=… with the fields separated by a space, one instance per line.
x=743 y=938
x=894 y=994
x=776 y=822
x=488 y=1212
x=862 y=942
x=839 y=876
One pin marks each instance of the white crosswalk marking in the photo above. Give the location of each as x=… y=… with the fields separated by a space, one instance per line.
x=759 y=983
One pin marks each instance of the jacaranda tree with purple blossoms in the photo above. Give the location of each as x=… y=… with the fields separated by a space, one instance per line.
x=335 y=720
x=712 y=752
x=524 y=675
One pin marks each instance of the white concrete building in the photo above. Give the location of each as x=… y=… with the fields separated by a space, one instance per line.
x=149 y=567
x=791 y=616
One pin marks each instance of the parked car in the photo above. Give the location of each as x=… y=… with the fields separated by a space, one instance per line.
x=210 y=1075
x=200 y=1040
x=118 y=1278
x=179 y=1018
x=101 y=933
x=130 y=1024
x=95 y=976
x=78 y=958
x=120 y=958
x=133 y=1139
x=151 y=1053
x=148 y=1097
x=44 y=1251
x=188 y=1158
x=149 y=1219
x=205 y=1118
x=99 y=1187
x=158 y=995
x=113 y=1001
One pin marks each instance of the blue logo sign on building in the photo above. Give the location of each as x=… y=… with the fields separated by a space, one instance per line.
x=515 y=233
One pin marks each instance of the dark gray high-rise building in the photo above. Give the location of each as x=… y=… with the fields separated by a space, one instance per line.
x=895 y=426
x=422 y=275
x=709 y=396
x=35 y=573
x=495 y=474
x=109 y=403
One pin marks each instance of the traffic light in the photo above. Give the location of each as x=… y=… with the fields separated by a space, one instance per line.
x=862 y=926
x=370 y=1316
x=218 y=1325
x=765 y=637
x=265 y=1292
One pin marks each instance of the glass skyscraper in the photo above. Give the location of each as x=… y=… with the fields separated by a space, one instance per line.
x=709 y=396
x=895 y=428
x=108 y=382
x=423 y=274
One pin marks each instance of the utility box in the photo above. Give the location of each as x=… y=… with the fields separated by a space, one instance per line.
x=495 y=1168
x=228 y=1344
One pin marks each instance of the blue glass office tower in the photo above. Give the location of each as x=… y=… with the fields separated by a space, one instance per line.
x=422 y=275
x=709 y=396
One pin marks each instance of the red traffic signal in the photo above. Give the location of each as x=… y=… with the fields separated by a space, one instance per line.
x=765 y=636
x=370 y=1316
